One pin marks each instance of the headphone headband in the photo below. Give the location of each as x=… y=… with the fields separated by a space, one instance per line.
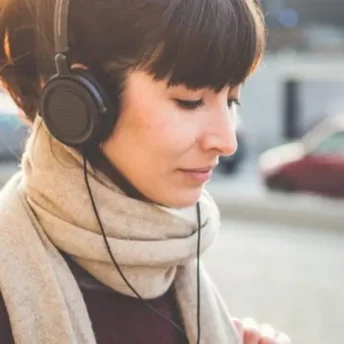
x=61 y=15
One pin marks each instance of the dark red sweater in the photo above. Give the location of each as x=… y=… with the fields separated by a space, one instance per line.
x=118 y=319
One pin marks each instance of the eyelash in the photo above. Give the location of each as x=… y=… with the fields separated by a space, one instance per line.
x=193 y=104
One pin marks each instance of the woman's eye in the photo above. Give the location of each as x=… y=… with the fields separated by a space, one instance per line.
x=231 y=102
x=193 y=104
x=188 y=104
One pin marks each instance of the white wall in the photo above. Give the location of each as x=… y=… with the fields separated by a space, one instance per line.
x=262 y=97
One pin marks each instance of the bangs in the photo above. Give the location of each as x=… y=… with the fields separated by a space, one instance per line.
x=209 y=43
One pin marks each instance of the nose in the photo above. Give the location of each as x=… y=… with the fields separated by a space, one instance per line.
x=220 y=134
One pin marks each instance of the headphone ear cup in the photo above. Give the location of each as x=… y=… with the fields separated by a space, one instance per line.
x=105 y=101
x=76 y=110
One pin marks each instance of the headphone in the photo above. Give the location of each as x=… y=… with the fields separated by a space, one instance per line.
x=73 y=105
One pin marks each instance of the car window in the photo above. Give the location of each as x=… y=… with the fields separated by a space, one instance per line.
x=332 y=145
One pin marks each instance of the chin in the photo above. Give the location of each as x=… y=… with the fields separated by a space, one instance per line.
x=184 y=199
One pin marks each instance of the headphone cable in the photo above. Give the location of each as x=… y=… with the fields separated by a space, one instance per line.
x=108 y=247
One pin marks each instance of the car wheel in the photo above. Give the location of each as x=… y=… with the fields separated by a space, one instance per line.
x=280 y=183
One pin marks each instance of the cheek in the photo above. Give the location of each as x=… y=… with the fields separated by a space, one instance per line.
x=159 y=129
x=143 y=134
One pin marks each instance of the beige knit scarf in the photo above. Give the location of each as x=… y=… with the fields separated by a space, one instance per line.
x=46 y=207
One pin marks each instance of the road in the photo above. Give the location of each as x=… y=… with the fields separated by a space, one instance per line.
x=290 y=277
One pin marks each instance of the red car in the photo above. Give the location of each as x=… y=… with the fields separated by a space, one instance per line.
x=314 y=163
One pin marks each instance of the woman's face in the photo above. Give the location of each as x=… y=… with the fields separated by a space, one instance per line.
x=168 y=140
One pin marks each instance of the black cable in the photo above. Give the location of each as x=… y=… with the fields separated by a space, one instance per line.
x=121 y=273
x=198 y=274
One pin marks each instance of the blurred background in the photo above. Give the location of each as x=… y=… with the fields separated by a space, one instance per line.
x=279 y=257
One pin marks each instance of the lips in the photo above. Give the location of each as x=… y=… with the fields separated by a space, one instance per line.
x=202 y=174
x=203 y=169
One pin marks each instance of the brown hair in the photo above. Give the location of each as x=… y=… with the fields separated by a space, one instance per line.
x=193 y=42
x=198 y=43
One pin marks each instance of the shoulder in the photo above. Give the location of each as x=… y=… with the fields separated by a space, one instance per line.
x=9 y=195
x=12 y=240
x=10 y=201
x=9 y=192
x=11 y=208
x=11 y=182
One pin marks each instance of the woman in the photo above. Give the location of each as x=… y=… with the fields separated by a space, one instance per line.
x=101 y=227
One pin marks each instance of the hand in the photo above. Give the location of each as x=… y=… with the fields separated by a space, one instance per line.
x=252 y=333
